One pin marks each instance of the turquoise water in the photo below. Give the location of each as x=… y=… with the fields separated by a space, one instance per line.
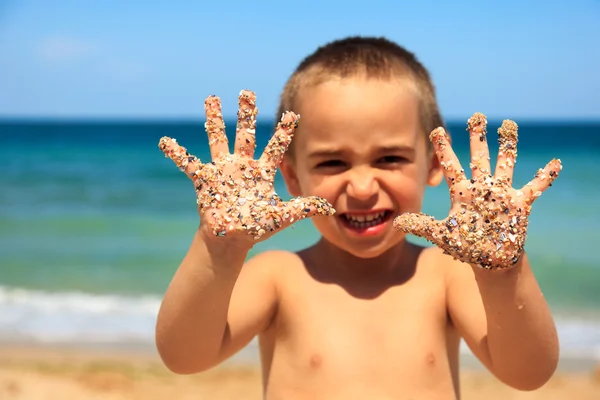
x=94 y=220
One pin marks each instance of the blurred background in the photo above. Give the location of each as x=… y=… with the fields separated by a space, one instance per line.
x=94 y=220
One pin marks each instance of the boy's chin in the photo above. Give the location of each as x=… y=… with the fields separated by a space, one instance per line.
x=367 y=250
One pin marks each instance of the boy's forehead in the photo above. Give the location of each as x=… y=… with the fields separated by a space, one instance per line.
x=336 y=101
x=324 y=141
x=359 y=109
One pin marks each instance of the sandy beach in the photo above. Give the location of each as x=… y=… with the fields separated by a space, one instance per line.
x=36 y=372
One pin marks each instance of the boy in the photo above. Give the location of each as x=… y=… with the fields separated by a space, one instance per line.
x=362 y=314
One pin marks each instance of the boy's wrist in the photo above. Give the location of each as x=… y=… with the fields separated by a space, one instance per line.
x=224 y=247
x=481 y=269
x=498 y=280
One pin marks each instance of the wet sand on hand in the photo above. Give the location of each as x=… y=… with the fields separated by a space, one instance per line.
x=35 y=372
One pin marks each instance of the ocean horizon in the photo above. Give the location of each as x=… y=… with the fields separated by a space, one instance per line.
x=94 y=221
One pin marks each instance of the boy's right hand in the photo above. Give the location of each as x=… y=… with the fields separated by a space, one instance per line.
x=235 y=192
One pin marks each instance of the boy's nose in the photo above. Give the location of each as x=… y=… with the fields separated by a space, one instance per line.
x=363 y=186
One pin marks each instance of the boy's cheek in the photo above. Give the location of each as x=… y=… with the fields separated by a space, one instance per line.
x=327 y=192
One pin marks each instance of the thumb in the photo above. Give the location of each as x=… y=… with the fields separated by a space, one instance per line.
x=305 y=207
x=418 y=224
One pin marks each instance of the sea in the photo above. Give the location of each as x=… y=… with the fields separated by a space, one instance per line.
x=94 y=222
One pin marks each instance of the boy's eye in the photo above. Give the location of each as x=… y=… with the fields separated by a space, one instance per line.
x=392 y=159
x=330 y=164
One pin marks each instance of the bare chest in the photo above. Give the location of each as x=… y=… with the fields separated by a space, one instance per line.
x=325 y=334
x=331 y=324
x=324 y=328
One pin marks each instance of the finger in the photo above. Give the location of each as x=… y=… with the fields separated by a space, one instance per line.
x=245 y=136
x=304 y=207
x=278 y=144
x=480 y=153
x=507 y=150
x=186 y=162
x=542 y=181
x=419 y=224
x=215 y=127
x=453 y=171
x=274 y=215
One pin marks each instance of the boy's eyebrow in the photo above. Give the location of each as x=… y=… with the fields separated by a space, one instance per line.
x=325 y=153
x=382 y=149
x=396 y=149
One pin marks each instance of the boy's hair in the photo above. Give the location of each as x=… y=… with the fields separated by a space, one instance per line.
x=372 y=57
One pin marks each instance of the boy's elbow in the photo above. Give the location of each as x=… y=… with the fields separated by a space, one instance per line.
x=183 y=361
x=181 y=364
x=182 y=368
x=530 y=384
x=532 y=380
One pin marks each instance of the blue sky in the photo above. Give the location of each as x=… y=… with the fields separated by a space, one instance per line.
x=132 y=59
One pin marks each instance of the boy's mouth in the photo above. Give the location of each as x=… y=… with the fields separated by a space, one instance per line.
x=360 y=221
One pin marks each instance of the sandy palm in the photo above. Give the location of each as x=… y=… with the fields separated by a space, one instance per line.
x=235 y=192
x=487 y=222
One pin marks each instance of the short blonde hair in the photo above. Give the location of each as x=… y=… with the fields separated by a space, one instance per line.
x=372 y=57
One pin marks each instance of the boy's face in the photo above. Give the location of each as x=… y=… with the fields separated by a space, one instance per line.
x=359 y=145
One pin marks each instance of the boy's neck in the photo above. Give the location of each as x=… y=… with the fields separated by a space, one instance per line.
x=395 y=266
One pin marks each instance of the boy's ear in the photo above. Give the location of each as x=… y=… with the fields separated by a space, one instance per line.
x=436 y=173
x=288 y=171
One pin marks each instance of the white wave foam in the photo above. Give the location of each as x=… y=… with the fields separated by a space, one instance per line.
x=65 y=317
x=579 y=338
x=75 y=316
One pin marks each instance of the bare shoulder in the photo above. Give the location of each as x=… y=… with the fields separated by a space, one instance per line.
x=269 y=264
x=434 y=257
x=272 y=258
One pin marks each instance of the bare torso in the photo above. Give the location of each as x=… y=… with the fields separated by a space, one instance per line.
x=380 y=338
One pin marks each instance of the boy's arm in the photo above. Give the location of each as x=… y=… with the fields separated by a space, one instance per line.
x=213 y=307
x=493 y=296
x=505 y=320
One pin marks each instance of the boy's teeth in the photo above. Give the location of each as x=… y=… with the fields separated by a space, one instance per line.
x=365 y=217
x=365 y=220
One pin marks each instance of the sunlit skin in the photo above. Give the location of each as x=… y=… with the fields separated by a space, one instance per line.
x=362 y=313
x=361 y=147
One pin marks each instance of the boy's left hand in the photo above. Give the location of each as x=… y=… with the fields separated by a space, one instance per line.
x=487 y=223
